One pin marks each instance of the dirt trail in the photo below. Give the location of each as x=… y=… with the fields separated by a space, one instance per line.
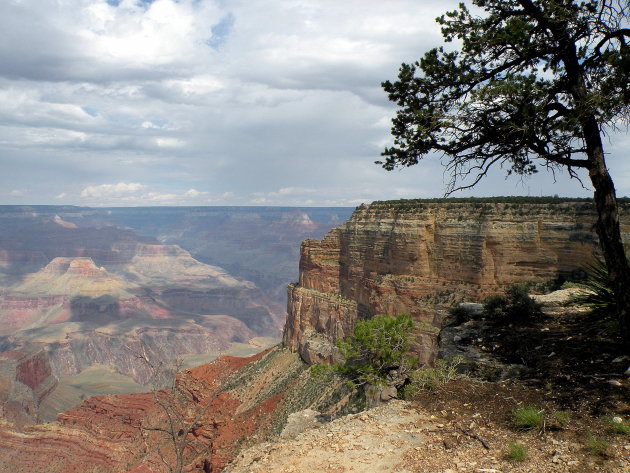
x=402 y=438
x=374 y=440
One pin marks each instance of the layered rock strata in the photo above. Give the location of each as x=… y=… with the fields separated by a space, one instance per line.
x=26 y=378
x=407 y=256
x=231 y=403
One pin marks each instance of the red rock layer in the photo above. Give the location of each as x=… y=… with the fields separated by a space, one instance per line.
x=25 y=379
x=116 y=434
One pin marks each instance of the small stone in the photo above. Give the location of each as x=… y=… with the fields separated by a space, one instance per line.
x=614 y=382
x=457 y=338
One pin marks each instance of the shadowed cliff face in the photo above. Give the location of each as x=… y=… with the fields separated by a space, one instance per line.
x=393 y=258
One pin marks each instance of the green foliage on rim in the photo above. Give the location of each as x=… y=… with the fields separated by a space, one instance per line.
x=377 y=350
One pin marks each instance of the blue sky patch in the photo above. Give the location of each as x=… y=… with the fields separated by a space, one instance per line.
x=221 y=31
x=91 y=111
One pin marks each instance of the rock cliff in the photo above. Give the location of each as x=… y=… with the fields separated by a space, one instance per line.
x=406 y=256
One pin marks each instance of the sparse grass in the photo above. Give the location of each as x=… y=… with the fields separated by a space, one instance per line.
x=561 y=417
x=527 y=417
x=431 y=378
x=597 y=445
x=618 y=427
x=516 y=452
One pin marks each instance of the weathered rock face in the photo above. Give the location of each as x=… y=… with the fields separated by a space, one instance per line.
x=25 y=379
x=404 y=257
x=85 y=348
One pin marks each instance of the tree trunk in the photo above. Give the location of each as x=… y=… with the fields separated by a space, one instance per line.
x=608 y=230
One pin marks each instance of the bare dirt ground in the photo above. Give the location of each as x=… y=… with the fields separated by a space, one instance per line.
x=574 y=371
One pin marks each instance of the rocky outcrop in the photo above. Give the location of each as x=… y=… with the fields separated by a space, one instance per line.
x=82 y=349
x=315 y=317
x=247 y=399
x=26 y=378
x=408 y=256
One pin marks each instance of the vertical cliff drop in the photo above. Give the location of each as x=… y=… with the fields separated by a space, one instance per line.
x=411 y=256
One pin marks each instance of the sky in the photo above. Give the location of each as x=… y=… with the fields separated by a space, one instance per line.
x=219 y=102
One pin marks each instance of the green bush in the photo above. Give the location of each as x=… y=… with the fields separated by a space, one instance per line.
x=520 y=305
x=517 y=304
x=599 y=293
x=527 y=417
x=561 y=417
x=377 y=350
x=517 y=452
x=495 y=306
x=322 y=371
x=459 y=314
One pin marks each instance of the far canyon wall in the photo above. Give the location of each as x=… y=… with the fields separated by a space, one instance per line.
x=407 y=256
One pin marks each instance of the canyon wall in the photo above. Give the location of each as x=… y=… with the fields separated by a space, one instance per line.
x=26 y=378
x=409 y=256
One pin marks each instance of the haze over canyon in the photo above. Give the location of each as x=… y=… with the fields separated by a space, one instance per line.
x=87 y=294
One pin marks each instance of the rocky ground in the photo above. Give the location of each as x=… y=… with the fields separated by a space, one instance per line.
x=566 y=363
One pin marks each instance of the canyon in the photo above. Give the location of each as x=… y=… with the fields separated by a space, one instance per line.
x=81 y=288
x=415 y=257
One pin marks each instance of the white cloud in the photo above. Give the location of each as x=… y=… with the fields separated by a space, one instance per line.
x=112 y=190
x=269 y=102
x=194 y=193
x=169 y=142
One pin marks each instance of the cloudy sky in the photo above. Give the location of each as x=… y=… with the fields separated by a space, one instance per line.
x=216 y=102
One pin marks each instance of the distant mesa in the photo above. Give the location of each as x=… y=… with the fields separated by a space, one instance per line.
x=297 y=220
x=72 y=276
x=59 y=221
